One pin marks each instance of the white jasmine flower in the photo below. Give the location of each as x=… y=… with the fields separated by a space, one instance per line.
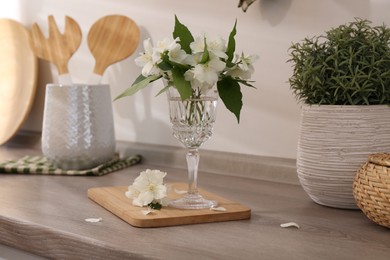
x=193 y=59
x=247 y=62
x=163 y=45
x=197 y=45
x=244 y=68
x=237 y=72
x=189 y=75
x=218 y=47
x=202 y=71
x=207 y=73
x=160 y=48
x=147 y=187
x=176 y=53
x=196 y=85
x=147 y=60
x=132 y=192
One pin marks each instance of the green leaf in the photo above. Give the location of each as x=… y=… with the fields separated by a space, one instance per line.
x=138 y=84
x=180 y=66
x=206 y=55
x=245 y=82
x=182 y=85
x=163 y=90
x=155 y=205
x=164 y=66
x=181 y=31
x=231 y=47
x=165 y=63
x=230 y=92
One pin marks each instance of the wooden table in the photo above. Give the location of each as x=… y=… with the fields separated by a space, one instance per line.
x=45 y=215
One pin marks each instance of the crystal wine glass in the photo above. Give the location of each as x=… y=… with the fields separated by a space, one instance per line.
x=192 y=122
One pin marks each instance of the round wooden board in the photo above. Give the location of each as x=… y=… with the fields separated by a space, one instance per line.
x=18 y=77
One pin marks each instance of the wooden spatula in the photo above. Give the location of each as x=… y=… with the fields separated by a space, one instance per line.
x=111 y=39
x=58 y=48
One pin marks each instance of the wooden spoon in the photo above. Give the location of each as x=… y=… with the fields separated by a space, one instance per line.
x=111 y=39
x=58 y=48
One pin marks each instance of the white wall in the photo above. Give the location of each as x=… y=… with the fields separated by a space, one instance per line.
x=270 y=116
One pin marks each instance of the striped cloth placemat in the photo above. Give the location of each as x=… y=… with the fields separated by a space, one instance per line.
x=40 y=165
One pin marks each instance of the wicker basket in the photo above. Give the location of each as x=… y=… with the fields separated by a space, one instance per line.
x=371 y=188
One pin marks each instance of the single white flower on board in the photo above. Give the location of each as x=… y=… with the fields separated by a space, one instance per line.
x=147 y=188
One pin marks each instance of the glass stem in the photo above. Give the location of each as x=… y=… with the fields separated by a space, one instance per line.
x=192 y=163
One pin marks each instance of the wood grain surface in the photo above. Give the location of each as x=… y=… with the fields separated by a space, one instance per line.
x=45 y=215
x=18 y=77
x=59 y=47
x=112 y=38
x=114 y=200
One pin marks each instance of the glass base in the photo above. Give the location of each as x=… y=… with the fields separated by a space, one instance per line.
x=193 y=201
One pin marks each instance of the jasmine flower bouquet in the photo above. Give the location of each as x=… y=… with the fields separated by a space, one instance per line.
x=194 y=66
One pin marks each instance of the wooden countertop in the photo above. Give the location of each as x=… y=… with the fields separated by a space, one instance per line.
x=45 y=215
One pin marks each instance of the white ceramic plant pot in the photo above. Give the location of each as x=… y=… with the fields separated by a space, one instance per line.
x=334 y=141
x=78 y=128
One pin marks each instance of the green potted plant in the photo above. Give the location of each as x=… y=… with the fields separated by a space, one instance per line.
x=342 y=79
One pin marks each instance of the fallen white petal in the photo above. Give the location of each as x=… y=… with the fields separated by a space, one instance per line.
x=180 y=191
x=218 y=208
x=146 y=212
x=289 y=224
x=93 y=220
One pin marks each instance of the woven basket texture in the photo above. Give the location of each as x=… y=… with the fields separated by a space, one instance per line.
x=371 y=188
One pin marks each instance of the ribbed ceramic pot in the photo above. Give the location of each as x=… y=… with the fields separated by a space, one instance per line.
x=334 y=141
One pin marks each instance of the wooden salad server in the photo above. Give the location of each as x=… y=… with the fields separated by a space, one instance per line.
x=57 y=48
x=111 y=39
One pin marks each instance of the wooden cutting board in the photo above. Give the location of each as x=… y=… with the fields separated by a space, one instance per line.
x=114 y=200
x=18 y=77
